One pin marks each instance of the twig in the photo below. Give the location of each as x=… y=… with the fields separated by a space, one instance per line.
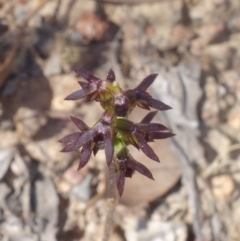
x=215 y=166
x=5 y=67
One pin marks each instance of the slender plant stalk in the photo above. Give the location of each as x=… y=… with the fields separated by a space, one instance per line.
x=111 y=202
x=114 y=132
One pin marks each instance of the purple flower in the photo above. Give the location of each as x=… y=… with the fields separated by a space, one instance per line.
x=139 y=134
x=92 y=88
x=91 y=139
x=141 y=98
x=126 y=166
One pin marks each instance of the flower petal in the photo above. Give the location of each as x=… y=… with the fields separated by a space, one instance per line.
x=143 y=105
x=84 y=139
x=70 y=137
x=83 y=84
x=124 y=125
x=146 y=82
x=87 y=75
x=133 y=141
x=92 y=96
x=146 y=149
x=144 y=96
x=156 y=104
x=79 y=123
x=161 y=135
x=149 y=117
x=95 y=150
x=152 y=127
x=111 y=76
x=79 y=94
x=129 y=172
x=70 y=147
x=85 y=155
x=120 y=181
x=108 y=142
x=141 y=169
x=131 y=94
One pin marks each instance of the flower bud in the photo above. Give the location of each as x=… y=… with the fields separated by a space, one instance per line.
x=121 y=105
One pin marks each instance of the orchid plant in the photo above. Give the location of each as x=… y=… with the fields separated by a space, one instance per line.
x=114 y=132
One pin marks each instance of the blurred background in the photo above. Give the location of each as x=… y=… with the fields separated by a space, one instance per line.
x=194 y=47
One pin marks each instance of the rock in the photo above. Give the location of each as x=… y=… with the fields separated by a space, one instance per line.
x=220 y=2
x=45 y=146
x=47 y=208
x=62 y=86
x=79 y=196
x=222 y=186
x=157 y=230
x=69 y=11
x=91 y=26
x=29 y=122
x=221 y=55
x=63 y=187
x=22 y=1
x=53 y=65
x=5 y=191
x=219 y=142
x=229 y=131
x=208 y=34
x=21 y=11
x=234 y=117
x=74 y=176
x=32 y=93
x=181 y=34
x=82 y=191
x=173 y=208
x=12 y=226
x=233 y=220
x=234 y=24
x=171 y=13
x=10 y=139
x=211 y=88
x=74 y=37
x=6 y=157
x=210 y=112
x=18 y=166
x=231 y=80
x=49 y=9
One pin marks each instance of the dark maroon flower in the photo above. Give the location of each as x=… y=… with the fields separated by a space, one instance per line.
x=91 y=140
x=111 y=76
x=151 y=136
x=103 y=91
x=92 y=88
x=126 y=166
x=139 y=134
x=121 y=105
x=141 y=98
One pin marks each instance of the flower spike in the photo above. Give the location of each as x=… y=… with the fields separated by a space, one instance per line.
x=111 y=76
x=114 y=132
